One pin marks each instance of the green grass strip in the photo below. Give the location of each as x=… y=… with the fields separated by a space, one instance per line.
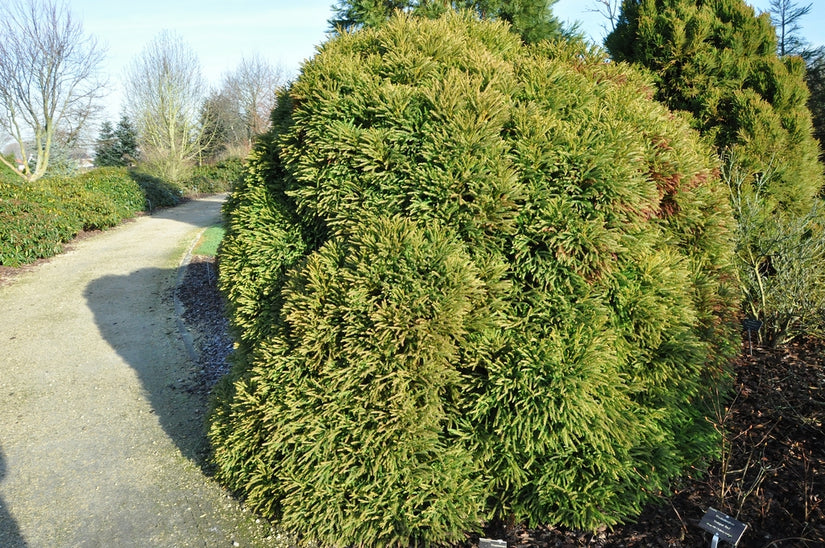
x=211 y=238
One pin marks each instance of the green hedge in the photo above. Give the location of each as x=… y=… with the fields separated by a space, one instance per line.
x=215 y=178
x=36 y=219
x=470 y=280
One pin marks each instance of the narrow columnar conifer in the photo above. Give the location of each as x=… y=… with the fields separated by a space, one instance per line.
x=718 y=60
x=470 y=279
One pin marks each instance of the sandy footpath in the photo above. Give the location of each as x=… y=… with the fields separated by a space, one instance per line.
x=99 y=444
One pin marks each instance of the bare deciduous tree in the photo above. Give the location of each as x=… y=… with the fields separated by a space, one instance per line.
x=48 y=80
x=240 y=110
x=224 y=127
x=164 y=91
x=254 y=85
x=610 y=10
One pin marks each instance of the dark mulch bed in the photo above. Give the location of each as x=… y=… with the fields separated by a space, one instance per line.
x=205 y=319
x=772 y=474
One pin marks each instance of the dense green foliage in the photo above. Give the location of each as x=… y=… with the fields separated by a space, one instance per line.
x=212 y=178
x=533 y=20
x=117 y=145
x=718 y=61
x=37 y=218
x=470 y=279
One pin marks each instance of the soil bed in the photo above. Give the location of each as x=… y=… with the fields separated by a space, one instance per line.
x=771 y=476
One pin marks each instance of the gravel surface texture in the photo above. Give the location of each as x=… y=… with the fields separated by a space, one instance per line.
x=101 y=412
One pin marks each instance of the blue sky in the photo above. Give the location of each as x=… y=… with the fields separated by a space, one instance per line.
x=282 y=32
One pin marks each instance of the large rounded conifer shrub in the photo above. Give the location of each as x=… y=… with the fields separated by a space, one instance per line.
x=470 y=279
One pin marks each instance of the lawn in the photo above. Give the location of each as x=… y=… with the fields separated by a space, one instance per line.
x=209 y=241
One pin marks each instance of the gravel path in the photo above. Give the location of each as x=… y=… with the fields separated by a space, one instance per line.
x=101 y=444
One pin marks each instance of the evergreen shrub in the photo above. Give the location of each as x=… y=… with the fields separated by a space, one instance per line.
x=470 y=279
x=100 y=198
x=36 y=219
x=33 y=223
x=157 y=192
x=214 y=178
x=718 y=61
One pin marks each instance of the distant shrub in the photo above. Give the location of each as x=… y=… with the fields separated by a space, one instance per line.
x=470 y=279
x=157 y=192
x=99 y=198
x=33 y=223
x=216 y=178
x=36 y=219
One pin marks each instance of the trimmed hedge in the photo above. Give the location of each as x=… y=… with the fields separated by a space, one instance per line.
x=470 y=280
x=36 y=219
x=214 y=178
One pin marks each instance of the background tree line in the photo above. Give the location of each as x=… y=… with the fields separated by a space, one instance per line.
x=50 y=93
x=170 y=125
x=48 y=124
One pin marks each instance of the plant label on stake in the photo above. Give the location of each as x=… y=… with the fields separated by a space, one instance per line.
x=723 y=527
x=751 y=324
x=490 y=543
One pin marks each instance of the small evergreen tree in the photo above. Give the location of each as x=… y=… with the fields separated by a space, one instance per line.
x=718 y=61
x=469 y=279
x=116 y=146
x=785 y=16
x=533 y=20
x=127 y=142
x=106 y=146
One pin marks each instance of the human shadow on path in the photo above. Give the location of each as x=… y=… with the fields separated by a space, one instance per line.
x=10 y=536
x=135 y=314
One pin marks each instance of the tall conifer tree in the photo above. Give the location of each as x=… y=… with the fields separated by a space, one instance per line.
x=106 y=146
x=718 y=60
x=533 y=20
x=116 y=145
x=785 y=16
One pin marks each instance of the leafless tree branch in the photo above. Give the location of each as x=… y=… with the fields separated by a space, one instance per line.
x=48 y=79
x=164 y=90
x=609 y=9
